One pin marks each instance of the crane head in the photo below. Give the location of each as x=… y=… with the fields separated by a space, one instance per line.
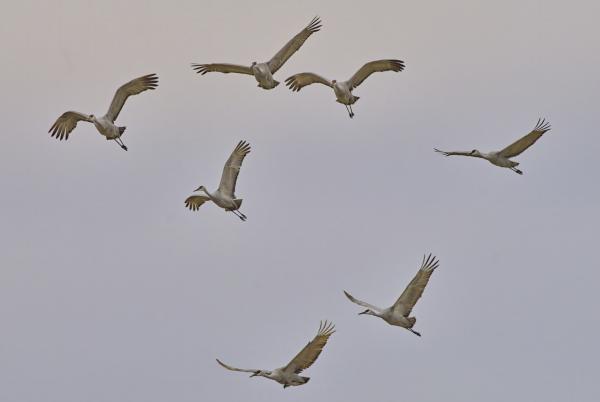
x=201 y=188
x=367 y=311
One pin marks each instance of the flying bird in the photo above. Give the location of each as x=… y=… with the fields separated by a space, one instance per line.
x=399 y=313
x=502 y=158
x=263 y=72
x=343 y=89
x=289 y=374
x=224 y=197
x=105 y=124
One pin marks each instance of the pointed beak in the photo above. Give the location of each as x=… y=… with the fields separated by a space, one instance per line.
x=198 y=189
x=253 y=375
x=363 y=312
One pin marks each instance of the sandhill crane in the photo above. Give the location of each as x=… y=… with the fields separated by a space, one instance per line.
x=343 y=89
x=502 y=158
x=224 y=197
x=263 y=72
x=105 y=124
x=398 y=314
x=288 y=375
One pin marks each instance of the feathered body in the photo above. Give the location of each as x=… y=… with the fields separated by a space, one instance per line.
x=502 y=158
x=224 y=196
x=343 y=89
x=289 y=375
x=399 y=313
x=105 y=125
x=263 y=72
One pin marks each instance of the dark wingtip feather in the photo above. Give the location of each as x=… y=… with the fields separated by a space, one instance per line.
x=315 y=25
x=542 y=125
x=200 y=68
x=291 y=83
x=398 y=65
x=243 y=147
x=430 y=263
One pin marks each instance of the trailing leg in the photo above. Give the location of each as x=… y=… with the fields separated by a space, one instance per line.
x=120 y=143
x=414 y=332
x=349 y=111
x=239 y=215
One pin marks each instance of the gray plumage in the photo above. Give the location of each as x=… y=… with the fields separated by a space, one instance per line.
x=399 y=313
x=263 y=72
x=502 y=158
x=289 y=374
x=224 y=197
x=105 y=125
x=343 y=89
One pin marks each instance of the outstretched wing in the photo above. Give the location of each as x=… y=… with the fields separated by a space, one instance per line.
x=195 y=201
x=414 y=290
x=66 y=123
x=133 y=87
x=298 y=81
x=453 y=153
x=373 y=67
x=361 y=303
x=312 y=350
x=231 y=170
x=236 y=369
x=522 y=144
x=293 y=45
x=221 y=68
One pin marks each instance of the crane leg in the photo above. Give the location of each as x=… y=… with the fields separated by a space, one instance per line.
x=414 y=332
x=120 y=142
x=514 y=169
x=349 y=111
x=239 y=215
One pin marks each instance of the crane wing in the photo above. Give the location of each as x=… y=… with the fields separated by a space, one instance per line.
x=414 y=290
x=133 y=87
x=293 y=45
x=298 y=81
x=66 y=123
x=236 y=369
x=195 y=201
x=312 y=350
x=231 y=170
x=452 y=153
x=361 y=303
x=522 y=144
x=373 y=67
x=221 y=68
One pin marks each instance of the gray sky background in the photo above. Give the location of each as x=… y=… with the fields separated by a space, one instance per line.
x=110 y=290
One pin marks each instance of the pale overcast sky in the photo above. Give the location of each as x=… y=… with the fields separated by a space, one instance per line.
x=110 y=290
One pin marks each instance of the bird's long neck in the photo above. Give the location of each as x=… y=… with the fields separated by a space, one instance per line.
x=266 y=374
x=206 y=192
